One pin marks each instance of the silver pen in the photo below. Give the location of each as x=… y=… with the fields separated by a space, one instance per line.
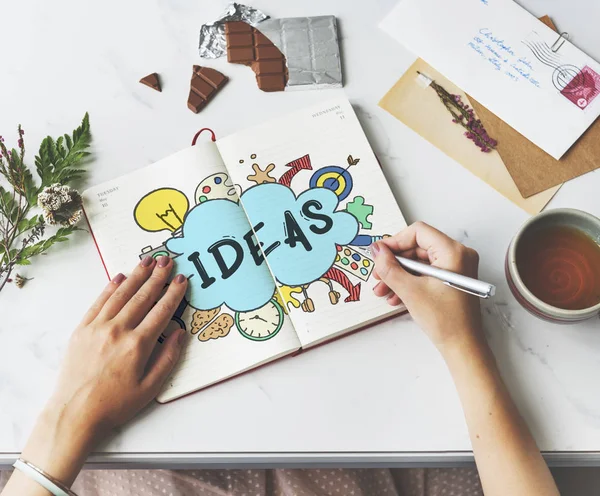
x=457 y=281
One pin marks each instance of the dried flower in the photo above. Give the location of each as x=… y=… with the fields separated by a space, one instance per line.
x=465 y=116
x=20 y=280
x=60 y=205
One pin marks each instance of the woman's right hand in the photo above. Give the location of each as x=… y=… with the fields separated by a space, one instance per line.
x=447 y=315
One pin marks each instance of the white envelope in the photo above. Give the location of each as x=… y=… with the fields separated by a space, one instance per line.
x=508 y=60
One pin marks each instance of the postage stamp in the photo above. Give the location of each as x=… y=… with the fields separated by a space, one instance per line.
x=583 y=88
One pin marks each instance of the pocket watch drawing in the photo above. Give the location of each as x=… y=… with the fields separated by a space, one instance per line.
x=260 y=324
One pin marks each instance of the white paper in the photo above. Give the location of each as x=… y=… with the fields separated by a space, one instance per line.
x=502 y=56
x=329 y=134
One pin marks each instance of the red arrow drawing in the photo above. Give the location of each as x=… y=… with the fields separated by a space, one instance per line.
x=338 y=276
x=296 y=166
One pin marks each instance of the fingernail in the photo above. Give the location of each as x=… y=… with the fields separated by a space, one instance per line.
x=118 y=279
x=374 y=249
x=179 y=279
x=181 y=337
x=146 y=261
x=163 y=261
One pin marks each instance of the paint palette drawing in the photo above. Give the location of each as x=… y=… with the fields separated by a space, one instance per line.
x=354 y=262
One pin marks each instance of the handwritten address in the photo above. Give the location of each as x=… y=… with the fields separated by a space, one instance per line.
x=502 y=57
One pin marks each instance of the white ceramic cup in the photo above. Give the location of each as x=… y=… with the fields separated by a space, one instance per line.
x=554 y=217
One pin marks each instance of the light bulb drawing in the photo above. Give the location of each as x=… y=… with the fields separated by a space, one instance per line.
x=161 y=209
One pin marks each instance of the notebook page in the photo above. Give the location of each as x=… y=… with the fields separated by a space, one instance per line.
x=316 y=196
x=146 y=213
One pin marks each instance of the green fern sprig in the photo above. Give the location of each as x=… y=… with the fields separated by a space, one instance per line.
x=58 y=161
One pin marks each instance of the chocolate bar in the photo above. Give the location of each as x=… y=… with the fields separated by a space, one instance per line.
x=152 y=81
x=247 y=45
x=212 y=35
x=205 y=84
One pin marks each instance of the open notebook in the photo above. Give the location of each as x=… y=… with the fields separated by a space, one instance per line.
x=270 y=225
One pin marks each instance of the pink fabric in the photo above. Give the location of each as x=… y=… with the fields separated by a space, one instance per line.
x=279 y=482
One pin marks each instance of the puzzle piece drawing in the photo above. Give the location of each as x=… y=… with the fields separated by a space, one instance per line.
x=361 y=211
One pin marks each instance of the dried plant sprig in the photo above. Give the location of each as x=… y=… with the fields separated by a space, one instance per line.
x=57 y=164
x=465 y=116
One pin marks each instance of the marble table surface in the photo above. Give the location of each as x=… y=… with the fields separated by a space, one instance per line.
x=382 y=396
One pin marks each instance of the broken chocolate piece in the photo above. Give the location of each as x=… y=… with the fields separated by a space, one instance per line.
x=205 y=84
x=152 y=81
x=247 y=45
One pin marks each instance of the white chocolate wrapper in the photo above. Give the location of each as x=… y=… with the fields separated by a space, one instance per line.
x=311 y=49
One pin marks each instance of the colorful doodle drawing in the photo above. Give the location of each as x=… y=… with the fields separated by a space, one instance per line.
x=308 y=305
x=338 y=276
x=252 y=157
x=161 y=209
x=361 y=211
x=220 y=255
x=304 y=236
x=302 y=163
x=334 y=296
x=354 y=262
x=216 y=186
x=218 y=328
x=299 y=233
x=366 y=239
x=333 y=178
x=201 y=318
x=277 y=297
x=261 y=176
x=261 y=324
x=287 y=293
x=159 y=251
x=352 y=161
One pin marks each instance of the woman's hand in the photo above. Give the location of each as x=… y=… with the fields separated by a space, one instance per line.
x=112 y=369
x=106 y=376
x=445 y=314
x=507 y=457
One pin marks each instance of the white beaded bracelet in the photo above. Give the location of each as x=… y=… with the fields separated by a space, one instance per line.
x=42 y=478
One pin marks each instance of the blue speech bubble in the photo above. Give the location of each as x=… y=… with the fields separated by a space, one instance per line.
x=303 y=253
x=249 y=286
x=219 y=251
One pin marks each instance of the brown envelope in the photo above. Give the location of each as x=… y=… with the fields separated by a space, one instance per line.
x=421 y=109
x=532 y=169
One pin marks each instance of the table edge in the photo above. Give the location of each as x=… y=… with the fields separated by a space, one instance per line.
x=198 y=460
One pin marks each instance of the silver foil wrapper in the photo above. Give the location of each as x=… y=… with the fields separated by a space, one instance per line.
x=212 y=36
x=311 y=49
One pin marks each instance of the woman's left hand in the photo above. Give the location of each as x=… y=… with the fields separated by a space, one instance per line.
x=106 y=377
x=111 y=371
